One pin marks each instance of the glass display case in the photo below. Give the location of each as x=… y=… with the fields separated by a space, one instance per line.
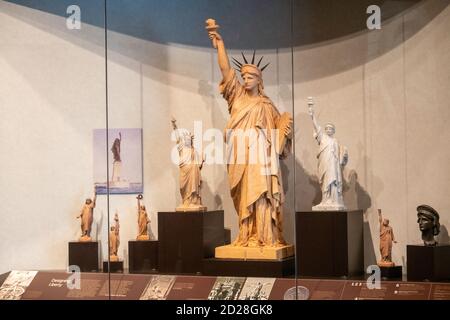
x=256 y=150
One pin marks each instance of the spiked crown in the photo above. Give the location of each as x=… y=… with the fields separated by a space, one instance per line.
x=245 y=66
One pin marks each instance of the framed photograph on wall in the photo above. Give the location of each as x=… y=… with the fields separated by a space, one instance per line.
x=122 y=158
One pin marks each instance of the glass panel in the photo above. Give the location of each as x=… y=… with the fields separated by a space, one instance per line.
x=381 y=83
x=52 y=100
x=162 y=66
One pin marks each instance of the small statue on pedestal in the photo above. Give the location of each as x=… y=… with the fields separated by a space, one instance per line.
x=386 y=240
x=143 y=220
x=87 y=217
x=332 y=157
x=114 y=240
x=190 y=164
x=428 y=220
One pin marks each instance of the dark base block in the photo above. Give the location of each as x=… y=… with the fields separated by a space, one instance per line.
x=391 y=272
x=143 y=256
x=428 y=263
x=84 y=255
x=186 y=238
x=249 y=268
x=329 y=243
x=116 y=266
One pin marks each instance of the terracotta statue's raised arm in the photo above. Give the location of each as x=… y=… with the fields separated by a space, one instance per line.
x=222 y=56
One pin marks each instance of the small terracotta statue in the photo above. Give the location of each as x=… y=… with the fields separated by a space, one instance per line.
x=190 y=164
x=332 y=157
x=143 y=220
x=428 y=220
x=114 y=240
x=386 y=240
x=87 y=217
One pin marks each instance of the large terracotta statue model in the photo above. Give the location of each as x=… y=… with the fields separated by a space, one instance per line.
x=143 y=220
x=332 y=157
x=428 y=220
x=87 y=217
x=114 y=240
x=386 y=240
x=190 y=165
x=254 y=173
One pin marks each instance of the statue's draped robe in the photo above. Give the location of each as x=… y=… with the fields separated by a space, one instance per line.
x=190 y=178
x=143 y=222
x=254 y=180
x=386 y=238
x=329 y=167
x=114 y=242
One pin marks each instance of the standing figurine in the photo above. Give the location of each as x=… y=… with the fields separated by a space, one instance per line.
x=190 y=165
x=254 y=173
x=428 y=220
x=143 y=220
x=386 y=240
x=332 y=157
x=114 y=240
x=87 y=217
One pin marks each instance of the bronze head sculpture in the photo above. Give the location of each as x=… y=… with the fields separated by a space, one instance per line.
x=428 y=220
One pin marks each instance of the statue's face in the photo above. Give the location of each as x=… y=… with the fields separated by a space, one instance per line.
x=250 y=81
x=425 y=223
x=386 y=222
x=329 y=130
x=88 y=201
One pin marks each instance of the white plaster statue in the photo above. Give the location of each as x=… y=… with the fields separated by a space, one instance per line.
x=190 y=165
x=332 y=157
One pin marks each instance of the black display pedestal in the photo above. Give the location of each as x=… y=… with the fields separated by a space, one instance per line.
x=329 y=243
x=116 y=266
x=186 y=238
x=428 y=263
x=249 y=268
x=394 y=272
x=85 y=255
x=143 y=256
